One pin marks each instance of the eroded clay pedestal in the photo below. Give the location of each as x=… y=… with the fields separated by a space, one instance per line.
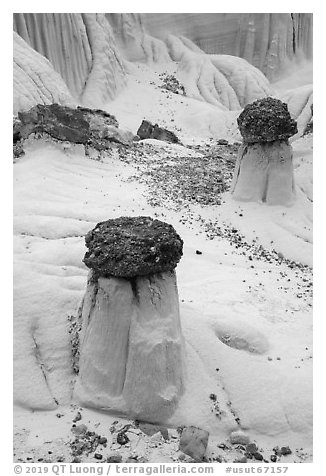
x=131 y=344
x=264 y=172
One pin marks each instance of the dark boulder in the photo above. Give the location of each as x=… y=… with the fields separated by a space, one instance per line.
x=266 y=120
x=127 y=247
x=60 y=122
x=81 y=125
x=149 y=131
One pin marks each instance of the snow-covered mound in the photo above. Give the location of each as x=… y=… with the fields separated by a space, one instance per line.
x=217 y=79
x=35 y=80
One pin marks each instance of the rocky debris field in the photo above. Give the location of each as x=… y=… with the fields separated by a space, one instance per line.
x=185 y=180
x=183 y=183
x=176 y=181
x=132 y=441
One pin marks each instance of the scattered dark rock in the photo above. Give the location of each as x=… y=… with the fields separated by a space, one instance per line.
x=132 y=246
x=193 y=442
x=285 y=450
x=266 y=120
x=98 y=456
x=149 y=131
x=223 y=142
x=258 y=456
x=17 y=125
x=84 y=441
x=122 y=438
x=77 y=417
x=213 y=397
x=251 y=448
x=170 y=83
x=102 y=440
x=273 y=458
x=114 y=458
x=223 y=446
x=198 y=252
x=132 y=460
x=18 y=150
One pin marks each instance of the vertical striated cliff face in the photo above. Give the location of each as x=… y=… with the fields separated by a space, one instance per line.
x=81 y=48
x=222 y=58
x=62 y=39
x=35 y=80
x=266 y=40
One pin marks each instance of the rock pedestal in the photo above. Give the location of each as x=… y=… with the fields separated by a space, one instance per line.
x=264 y=168
x=131 y=343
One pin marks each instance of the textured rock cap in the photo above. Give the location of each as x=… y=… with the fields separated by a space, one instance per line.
x=266 y=120
x=127 y=247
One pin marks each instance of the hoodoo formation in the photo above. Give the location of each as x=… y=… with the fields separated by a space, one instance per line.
x=264 y=168
x=131 y=344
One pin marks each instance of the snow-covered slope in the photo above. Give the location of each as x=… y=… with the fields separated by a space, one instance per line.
x=217 y=79
x=259 y=337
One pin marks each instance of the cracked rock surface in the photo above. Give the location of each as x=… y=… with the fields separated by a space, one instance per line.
x=266 y=120
x=127 y=247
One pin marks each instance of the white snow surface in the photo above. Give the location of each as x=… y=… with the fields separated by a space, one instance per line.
x=242 y=317
x=59 y=197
